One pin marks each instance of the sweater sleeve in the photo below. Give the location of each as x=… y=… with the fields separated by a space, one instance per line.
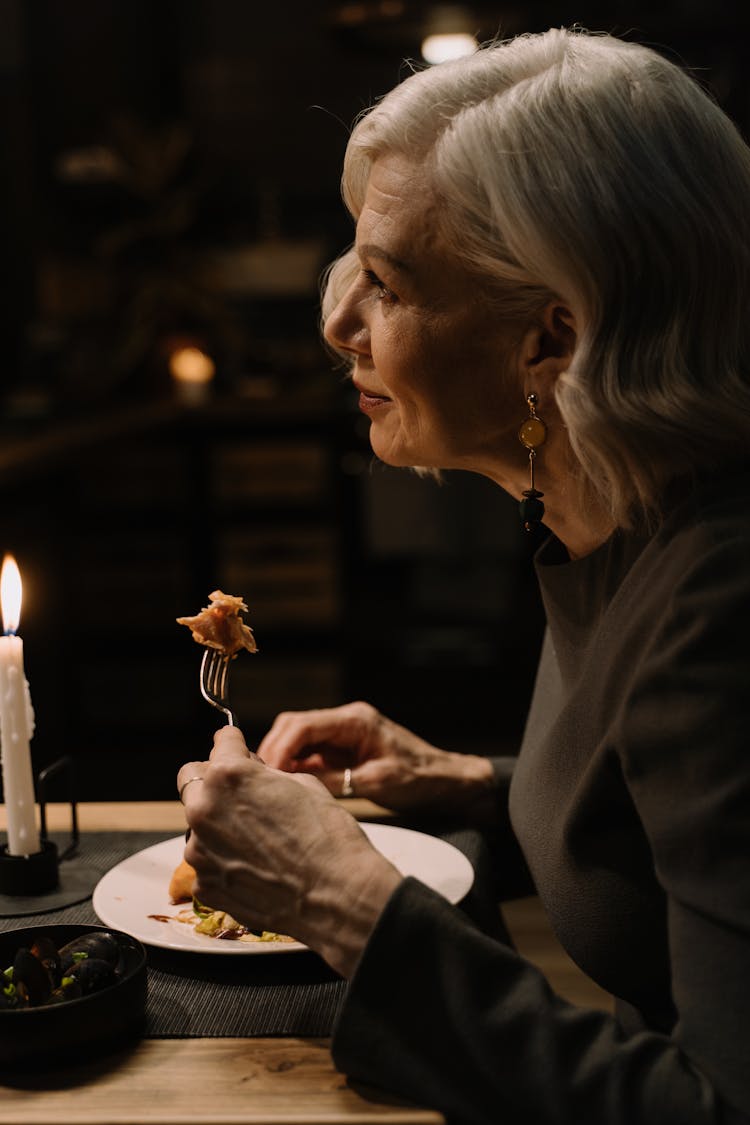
x=452 y=1019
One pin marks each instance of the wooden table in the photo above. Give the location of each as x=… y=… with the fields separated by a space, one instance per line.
x=199 y=1081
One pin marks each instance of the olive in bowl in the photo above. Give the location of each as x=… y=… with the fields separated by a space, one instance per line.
x=68 y=992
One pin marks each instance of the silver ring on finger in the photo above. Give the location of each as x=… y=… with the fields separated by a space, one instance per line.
x=189 y=781
x=347 y=789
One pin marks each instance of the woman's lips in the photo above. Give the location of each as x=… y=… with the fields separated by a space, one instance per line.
x=369 y=401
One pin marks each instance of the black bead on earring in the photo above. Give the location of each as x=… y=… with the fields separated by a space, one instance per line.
x=532 y=434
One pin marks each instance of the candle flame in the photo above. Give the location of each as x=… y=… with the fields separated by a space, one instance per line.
x=10 y=594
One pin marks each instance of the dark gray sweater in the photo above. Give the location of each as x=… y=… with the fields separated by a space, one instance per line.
x=630 y=799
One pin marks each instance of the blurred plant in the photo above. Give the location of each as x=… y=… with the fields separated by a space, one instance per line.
x=141 y=278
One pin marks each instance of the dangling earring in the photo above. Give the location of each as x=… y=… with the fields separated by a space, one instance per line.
x=532 y=434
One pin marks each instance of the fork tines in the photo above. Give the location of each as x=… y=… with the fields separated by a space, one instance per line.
x=214 y=681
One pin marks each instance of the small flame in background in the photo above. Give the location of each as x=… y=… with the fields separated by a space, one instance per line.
x=191 y=365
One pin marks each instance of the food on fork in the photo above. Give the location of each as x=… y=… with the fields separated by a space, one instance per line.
x=220 y=625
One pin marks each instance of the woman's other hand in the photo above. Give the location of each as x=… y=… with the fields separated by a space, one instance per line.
x=387 y=763
x=277 y=853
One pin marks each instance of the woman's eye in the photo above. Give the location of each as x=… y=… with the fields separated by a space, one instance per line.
x=384 y=293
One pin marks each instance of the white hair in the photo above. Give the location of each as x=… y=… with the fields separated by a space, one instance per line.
x=580 y=168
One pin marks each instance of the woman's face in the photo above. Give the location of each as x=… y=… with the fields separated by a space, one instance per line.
x=432 y=360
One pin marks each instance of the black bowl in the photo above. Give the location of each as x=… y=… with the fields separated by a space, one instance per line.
x=55 y=1034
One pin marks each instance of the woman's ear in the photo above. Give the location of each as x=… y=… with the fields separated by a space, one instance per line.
x=549 y=344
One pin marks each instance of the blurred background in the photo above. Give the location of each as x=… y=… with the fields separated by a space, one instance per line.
x=169 y=422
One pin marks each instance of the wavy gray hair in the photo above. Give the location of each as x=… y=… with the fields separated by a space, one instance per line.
x=580 y=168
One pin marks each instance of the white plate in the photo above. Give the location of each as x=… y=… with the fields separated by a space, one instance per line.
x=137 y=887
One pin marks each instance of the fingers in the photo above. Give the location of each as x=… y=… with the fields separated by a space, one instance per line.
x=189 y=773
x=230 y=751
x=229 y=745
x=342 y=782
x=314 y=739
x=292 y=735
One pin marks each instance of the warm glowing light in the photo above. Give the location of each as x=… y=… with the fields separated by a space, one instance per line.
x=191 y=365
x=442 y=48
x=10 y=594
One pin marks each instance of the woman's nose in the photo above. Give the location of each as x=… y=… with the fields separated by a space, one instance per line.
x=345 y=329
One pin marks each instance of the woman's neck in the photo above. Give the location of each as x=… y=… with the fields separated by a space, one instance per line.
x=580 y=533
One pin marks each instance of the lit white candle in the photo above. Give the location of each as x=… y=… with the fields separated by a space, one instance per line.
x=16 y=721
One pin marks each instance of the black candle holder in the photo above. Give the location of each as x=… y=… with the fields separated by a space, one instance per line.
x=46 y=880
x=33 y=874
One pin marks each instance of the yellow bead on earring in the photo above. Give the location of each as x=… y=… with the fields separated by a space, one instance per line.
x=532 y=434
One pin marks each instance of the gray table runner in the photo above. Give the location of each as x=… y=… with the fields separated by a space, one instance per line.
x=193 y=996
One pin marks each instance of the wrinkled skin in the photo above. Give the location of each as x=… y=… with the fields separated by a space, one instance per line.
x=278 y=853
x=390 y=765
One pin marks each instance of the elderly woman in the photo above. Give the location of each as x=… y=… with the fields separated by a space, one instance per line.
x=549 y=286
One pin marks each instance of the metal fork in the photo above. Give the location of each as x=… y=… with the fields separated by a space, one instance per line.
x=214 y=681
